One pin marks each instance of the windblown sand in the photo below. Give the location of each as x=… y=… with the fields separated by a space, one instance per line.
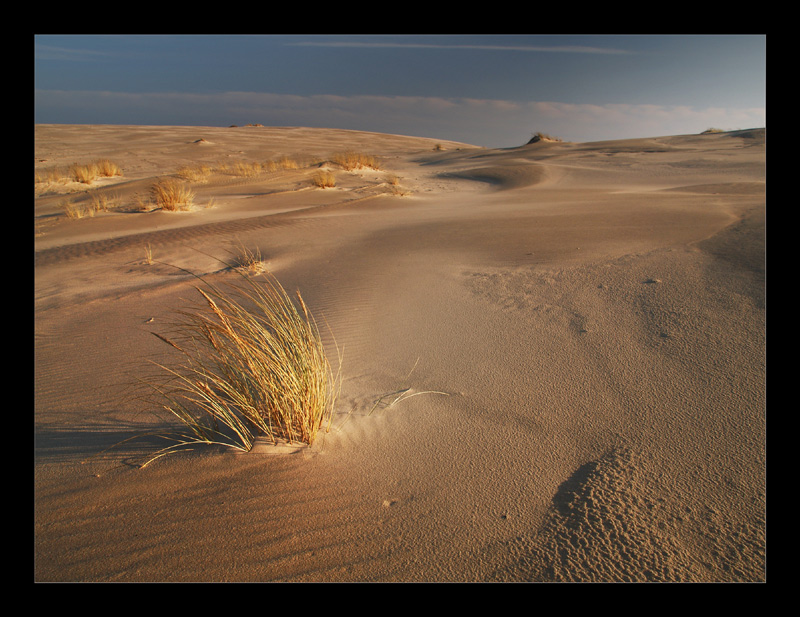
x=593 y=313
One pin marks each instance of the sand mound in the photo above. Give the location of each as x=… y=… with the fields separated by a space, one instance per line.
x=609 y=523
x=604 y=527
x=504 y=177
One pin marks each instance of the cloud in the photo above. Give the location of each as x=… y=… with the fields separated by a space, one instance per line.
x=50 y=52
x=488 y=122
x=570 y=49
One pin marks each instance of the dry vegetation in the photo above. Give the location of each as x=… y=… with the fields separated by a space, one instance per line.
x=249 y=261
x=84 y=173
x=172 y=195
x=175 y=193
x=252 y=364
x=324 y=179
x=194 y=173
x=351 y=161
x=539 y=136
x=98 y=202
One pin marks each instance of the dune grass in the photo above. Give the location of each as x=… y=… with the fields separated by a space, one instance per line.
x=85 y=173
x=194 y=173
x=71 y=209
x=172 y=195
x=248 y=261
x=351 y=161
x=252 y=363
x=323 y=179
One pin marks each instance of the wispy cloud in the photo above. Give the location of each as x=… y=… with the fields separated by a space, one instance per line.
x=488 y=122
x=570 y=49
x=49 y=52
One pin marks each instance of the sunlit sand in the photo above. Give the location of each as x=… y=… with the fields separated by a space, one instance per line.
x=553 y=357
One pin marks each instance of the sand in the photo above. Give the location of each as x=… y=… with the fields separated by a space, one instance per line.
x=593 y=313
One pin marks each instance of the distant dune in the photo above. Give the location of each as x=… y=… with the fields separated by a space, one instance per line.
x=553 y=356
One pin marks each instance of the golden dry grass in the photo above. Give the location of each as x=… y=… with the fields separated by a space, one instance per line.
x=324 y=179
x=85 y=173
x=108 y=169
x=72 y=210
x=172 y=195
x=249 y=261
x=194 y=173
x=351 y=161
x=286 y=162
x=251 y=363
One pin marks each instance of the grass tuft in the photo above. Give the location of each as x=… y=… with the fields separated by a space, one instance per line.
x=171 y=194
x=253 y=363
x=351 y=161
x=85 y=174
x=324 y=179
x=194 y=173
x=249 y=261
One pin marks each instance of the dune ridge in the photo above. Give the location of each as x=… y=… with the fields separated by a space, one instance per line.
x=582 y=326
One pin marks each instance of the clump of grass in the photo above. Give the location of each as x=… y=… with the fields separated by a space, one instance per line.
x=246 y=169
x=712 y=130
x=85 y=174
x=252 y=363
x=49 y=175
x=108 y=169
x=249 y=169
x=324 y=179
x=539 y=136
x=286 y=162
x=194 y=173
x=249 y=261
x=72 y=210
x=100 y=202
x=393 y=184
x=148 y=255
x=351 y=161
x=171 y=194
x=141 y=203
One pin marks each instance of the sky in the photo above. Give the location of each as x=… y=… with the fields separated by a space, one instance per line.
x=485 y=90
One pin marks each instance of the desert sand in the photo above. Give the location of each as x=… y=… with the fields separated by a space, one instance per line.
x=584 y=325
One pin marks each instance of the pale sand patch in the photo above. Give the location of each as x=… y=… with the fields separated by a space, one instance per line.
x=593 y=313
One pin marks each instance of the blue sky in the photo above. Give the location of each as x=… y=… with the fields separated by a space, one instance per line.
x=486 y=90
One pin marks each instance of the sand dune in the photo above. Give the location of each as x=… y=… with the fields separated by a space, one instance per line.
x=591 y=317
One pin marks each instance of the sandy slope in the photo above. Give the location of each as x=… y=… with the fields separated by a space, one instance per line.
x=594 y=312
